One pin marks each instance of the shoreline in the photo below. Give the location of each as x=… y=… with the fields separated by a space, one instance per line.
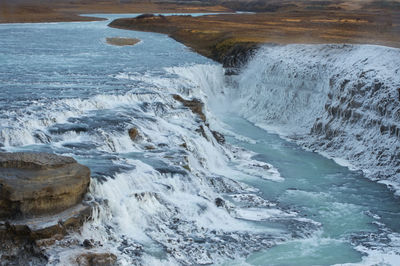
x=231 y=38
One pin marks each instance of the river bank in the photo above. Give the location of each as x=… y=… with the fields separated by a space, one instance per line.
x=227 y=38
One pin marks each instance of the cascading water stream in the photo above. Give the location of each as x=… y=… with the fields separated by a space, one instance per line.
x=340 y=100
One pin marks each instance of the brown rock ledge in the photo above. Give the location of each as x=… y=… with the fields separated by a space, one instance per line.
x=46 y=227
x=195 y=105
x=40 y=202
x=92 y=259
x=33 y=184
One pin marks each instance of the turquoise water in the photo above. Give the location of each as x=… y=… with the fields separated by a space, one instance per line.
x=351 y=209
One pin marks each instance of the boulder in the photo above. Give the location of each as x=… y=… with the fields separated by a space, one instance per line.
x=219 y=202
x=218 y=136
x=133 y=133
x=46 y=227
x=40 y=201
x=35 y=184
x=195 y=105
x=92 y=259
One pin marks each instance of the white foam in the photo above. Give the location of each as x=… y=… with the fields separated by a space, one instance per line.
x=258 y=214
x=345 y=95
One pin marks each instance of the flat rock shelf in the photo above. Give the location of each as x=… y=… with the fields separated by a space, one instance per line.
x=39 y=183
x=118 y=41
x=41 y=200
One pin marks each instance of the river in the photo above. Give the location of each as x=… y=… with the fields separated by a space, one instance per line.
x=176 y=195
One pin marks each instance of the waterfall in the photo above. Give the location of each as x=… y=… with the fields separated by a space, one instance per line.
x=340 y=100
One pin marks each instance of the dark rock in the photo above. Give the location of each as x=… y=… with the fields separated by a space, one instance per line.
x=202 y=131
x=40 y=201
x=63 y=128
x=219 y=202
x=218 y=136
x=16 y=250
x=46 y=242
x=264 y=166
x=96 y=259
x=145 y=16
x=23 y=242
x=149 y=147
x=234 y=55
x=42 y=137
x=43 y=227
x=170 y=170
x=133 y=133
x=88 y=243
x=195 y=105
x=186 y=167
x=398 y=90
x=34 y=184
x=184 y=145
x=27 y=160
x=162 y=145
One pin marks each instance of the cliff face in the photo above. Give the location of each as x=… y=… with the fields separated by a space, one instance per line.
x=40 y=200
x=235 y=55
x=340 y=100
x=217 y=44
x=38 y=183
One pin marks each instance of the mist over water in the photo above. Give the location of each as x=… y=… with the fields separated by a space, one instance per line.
x=176 y=195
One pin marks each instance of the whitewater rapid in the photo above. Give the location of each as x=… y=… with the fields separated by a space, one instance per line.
x=163 y=198
x=340 y=100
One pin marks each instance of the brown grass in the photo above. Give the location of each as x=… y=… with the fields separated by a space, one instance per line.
x=209 y=35
x=12 y=11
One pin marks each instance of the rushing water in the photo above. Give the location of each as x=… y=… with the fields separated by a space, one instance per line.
x=343 y=201
x=176 y=195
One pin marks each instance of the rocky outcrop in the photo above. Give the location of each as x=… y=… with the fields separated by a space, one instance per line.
x=235 y=56
x=33 y=184
x=92 y=259
x=40 y=201
x=24 y=241
x=195 y=105
x=133 y=133
x=218 y=45
x=218 y=137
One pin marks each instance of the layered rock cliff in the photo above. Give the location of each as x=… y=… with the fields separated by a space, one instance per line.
x=40 y=198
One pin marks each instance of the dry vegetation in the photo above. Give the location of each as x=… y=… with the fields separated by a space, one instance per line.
x=334 y=22
x=69 y=10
